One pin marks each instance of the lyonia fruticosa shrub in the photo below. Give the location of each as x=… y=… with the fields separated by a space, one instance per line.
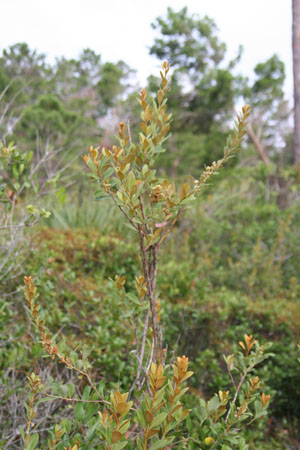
x=152 y=413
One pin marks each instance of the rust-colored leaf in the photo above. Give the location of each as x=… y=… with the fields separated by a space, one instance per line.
x=159 y=371
x=160 y=96
x=120 y=175
x=121 y=407
x=149 y=416
x=152 y=432
x=116 y=436
x=185 y=413
x=117 y=393
x=160 y=382
x=143 y=127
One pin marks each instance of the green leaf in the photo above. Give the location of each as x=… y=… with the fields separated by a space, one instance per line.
x=141 y=418
x=139 y=444
x=137 y=220
x=124 y=426
x=33 y=442
x=133 y=298
x=130 y=181
x=108 y=173
x=213 y=404
x=158 y=420
x=79 y=412
x=119 y=445
x=160 y=444
x=128 y=225
x=171 y=426
x=120 y=198
x=91 y=432
x=74 y=358
x=159 y=396
x=66 y=424
x=100 y=196
x=71 y=389
x=145 y=170
x=22 y=433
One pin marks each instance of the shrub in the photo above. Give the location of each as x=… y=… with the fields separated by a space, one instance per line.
x=152 y=414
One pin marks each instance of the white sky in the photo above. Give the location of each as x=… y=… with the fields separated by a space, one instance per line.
x=120 y=29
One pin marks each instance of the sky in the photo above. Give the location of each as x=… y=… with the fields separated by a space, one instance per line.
x=121 y=29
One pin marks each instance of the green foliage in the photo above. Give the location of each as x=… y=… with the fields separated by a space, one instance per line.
x=24 y=72
x=201 y=87
x=77 y=213
x=159 y=413
x=202 y=91
x=46 y=117
x=112 y=83
x=62 y=101
x=243 y=241
x=16 y=180
x=270 y=79
x=14 y=170
x=151 y=206
x=205 y=323
x=231 y=269
x=270 y=112
x=196 y=50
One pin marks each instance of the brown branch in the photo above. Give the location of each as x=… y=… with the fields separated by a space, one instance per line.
x=232 y=379
x=123 y=212
x=24 y=225
x=237 y=392
x=171 y=226
x=144 y=215
x=144 y=258
x=155 y=261
x=141 y=355
x=67 y=399
x=148 y=366
x=152 y=284
x=150 y=273
x=257 y=144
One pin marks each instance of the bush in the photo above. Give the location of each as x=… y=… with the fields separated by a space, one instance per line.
x=152 y=413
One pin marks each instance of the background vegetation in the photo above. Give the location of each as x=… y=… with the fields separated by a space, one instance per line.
x=233 y=266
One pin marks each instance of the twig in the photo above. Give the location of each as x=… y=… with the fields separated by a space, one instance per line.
x=67 y=399
x=124 y=212
x=237 y=392
x=232 y=379
x=24 y=225
x=171 y=225
x=141 y=356
x=129 y=132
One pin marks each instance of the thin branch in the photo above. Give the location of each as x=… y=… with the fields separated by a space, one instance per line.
x=232 y=379
x=257 y=144
x=129 y=132
x=144 y=215
x=144 y=259
x=124 y=212
x=67 y=399
x=148 y=365
x=163 y=237
x=141 y=355
x=237 y=392
x=24 y=225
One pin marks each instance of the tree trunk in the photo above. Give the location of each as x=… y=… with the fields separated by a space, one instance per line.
x=296 y=70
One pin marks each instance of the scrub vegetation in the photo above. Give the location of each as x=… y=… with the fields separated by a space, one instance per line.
x=149 y=281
